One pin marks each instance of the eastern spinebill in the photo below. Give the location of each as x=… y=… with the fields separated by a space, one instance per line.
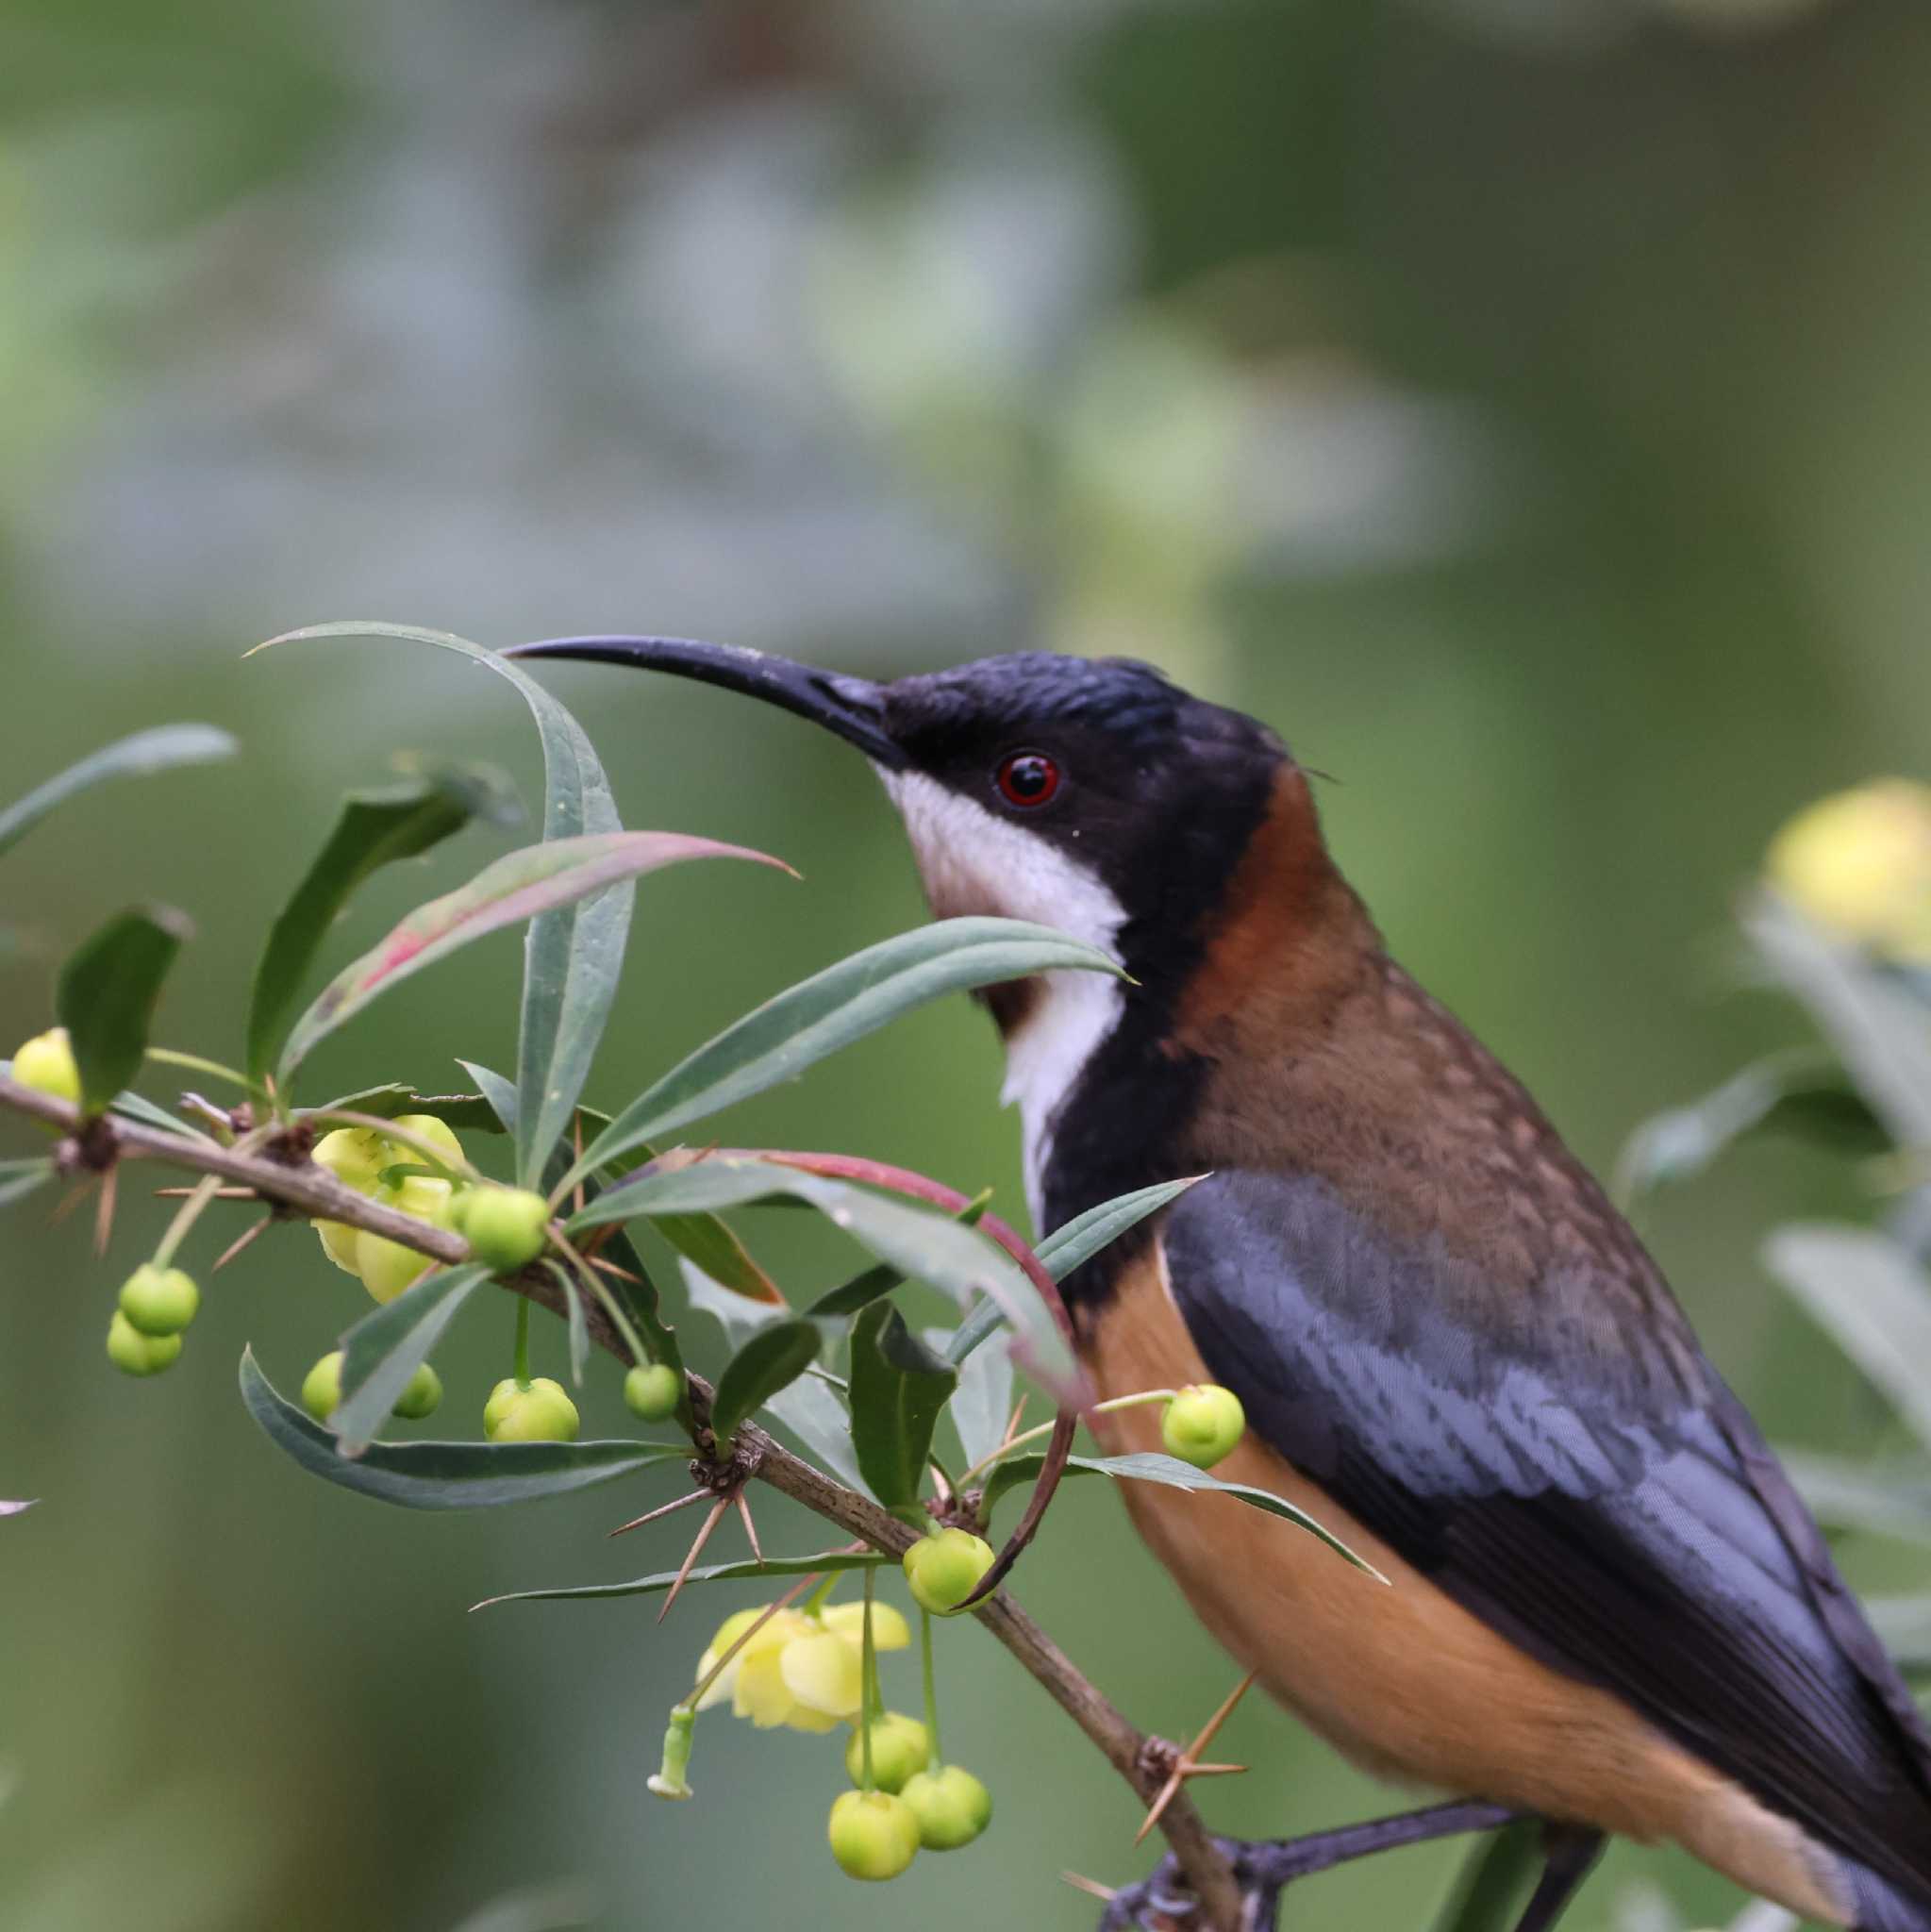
x=1610 y=1608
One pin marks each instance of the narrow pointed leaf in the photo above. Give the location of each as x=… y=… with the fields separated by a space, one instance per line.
x=1067 y=1247
x=19 y=1178
x=714 y=1246
x=467 y=1114
x=375 y=829
x=898 y=1389
x=106 y=996
x=850 y=1297
x=445 y=1476
x=574 y=1315
x=771 y=1360
x=1175 y=1474
x=499 y=1096
x=573 y=953
x=920 y=1243
x=513 y=889
x=387 y=1346
x=1873 y=1298
x=157 y=749
x=1875 y=1022
x=779 y=1041
x=825 y=1560
x=982 y=1400
x=1892 y=1500
x=810 y=1408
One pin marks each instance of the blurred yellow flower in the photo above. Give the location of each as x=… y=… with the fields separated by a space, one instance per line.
x=799 y=1669
x=1859 y=864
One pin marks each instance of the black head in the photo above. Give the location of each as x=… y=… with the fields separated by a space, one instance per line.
x=1092 y=795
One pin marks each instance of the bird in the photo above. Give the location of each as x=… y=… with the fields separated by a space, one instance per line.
x=1605 y=1607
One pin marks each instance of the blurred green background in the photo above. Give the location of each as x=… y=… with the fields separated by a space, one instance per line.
x=1526 y=405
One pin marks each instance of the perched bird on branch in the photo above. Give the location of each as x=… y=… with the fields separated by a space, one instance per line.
x=1610 y=1609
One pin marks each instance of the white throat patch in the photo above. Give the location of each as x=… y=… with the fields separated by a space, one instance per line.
x=975 y=862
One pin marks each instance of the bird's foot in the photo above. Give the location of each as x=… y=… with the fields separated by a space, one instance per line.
x=1263 y=1869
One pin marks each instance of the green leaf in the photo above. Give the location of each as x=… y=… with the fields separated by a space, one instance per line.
x=779 y=1041
x=1067 y=1247
x=771 y=1360
x=542 y=1909
x=1890 y=1500
x=466 y=1113
x=375 y=829
x=810 y=1408
x=898 y=1388
x=1175 y=1474
x=134 y=1107
x=982 y=1403
x=1800 y=1091
x=573 y=952
x=19 y=1178
x=498 y=1094
x=850 y=1297
x=713 y=1245
x=1875 y=1022
x=825 y=1560
x=512 y=889
x=106 y=996
x=156 y=750
x=387 y=1346
x=574 y=1316
x=920 y=1242
x=1873 y=1298
x=1488 y=1890
x=445 y=1476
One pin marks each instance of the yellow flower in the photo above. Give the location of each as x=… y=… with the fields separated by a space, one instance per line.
x=806 y=1672
x=1859 y=864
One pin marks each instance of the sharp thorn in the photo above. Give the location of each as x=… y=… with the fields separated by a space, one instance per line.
x=242 y=1241
x=683 y=1502
x=104 y=1213
x=750 y=1528
x=692 y=1554
x=1091 y=1887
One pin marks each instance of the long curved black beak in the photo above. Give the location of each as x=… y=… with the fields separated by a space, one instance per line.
x=854 y=708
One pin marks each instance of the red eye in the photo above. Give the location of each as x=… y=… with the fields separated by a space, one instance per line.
x=1028 y=778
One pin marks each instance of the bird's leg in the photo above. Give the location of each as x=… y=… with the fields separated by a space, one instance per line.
x=1570 y=1851
x=1265 y=1868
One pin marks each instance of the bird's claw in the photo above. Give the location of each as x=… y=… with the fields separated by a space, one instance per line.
x=1263 y=1869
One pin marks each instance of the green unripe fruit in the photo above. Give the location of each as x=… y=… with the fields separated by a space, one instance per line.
x=874 y=1835
x=505 y=1393
x=506 y=1226
x=322 y=1387
x=945 y=1568
x=541 y=1413
x=159 y=1301
x=900 y=1747
x=953 y=1807
x=423 y=1396
x=45 y=1063
x=135 y=1353
x=1202 y=1425
x=651 y=1390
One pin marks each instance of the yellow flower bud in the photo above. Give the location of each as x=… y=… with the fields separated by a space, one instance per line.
x=1859 y=864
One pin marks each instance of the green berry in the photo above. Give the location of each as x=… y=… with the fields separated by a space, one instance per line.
x=135 y=1353
x=541 y=1413
x=873 y=1833
x=1203 y=1424
x=322 y=1387
x=45 y=1063
x=506 y=1226
x=159 y=1301
x=900 y=1746
x=953 y=1807
x=651 y=1390
x=944 y=1570
x=423 y=1396
x=505 y=1393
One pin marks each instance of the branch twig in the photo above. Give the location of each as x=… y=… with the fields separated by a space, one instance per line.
x=314 y=1191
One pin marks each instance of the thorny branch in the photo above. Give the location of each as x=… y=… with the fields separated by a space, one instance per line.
x=301 y=1186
